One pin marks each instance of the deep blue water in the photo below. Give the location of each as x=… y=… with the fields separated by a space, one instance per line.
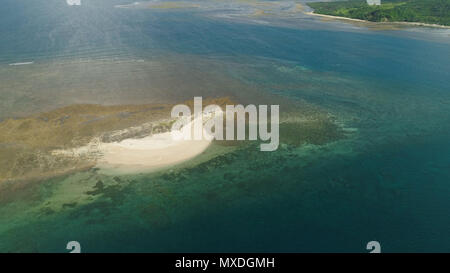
x=391 y=183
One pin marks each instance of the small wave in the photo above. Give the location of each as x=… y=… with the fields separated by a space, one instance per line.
x=73 y=2
x=127 y=5
x=23 y=63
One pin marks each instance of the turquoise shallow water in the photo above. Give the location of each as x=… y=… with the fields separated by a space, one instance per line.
x=387 y=181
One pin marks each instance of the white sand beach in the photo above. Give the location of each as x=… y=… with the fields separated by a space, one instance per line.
x=143 y=154
x=150 y=153
x=153 y=152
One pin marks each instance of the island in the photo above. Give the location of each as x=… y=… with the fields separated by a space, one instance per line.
x=433 y=12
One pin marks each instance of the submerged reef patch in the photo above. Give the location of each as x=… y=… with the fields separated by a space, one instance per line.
x=27 y=144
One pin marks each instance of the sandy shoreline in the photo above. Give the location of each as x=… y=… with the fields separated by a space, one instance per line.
x=144 y=154
x=153 y=152
x=147 y=154
x=385 y=23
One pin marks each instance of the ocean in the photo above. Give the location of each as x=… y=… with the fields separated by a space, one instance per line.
x=386 y=179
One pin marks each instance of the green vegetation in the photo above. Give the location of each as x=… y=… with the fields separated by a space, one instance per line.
x=423 y=11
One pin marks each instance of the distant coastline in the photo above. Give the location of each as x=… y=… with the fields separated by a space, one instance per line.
x=432 y=13
x=385 y=23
